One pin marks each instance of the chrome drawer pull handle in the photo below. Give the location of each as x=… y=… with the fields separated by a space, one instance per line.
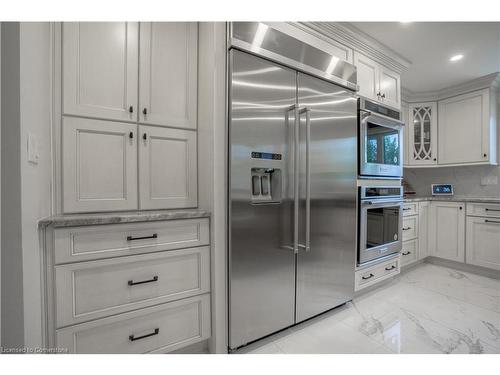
x=130 y=238
x=407 y=228
x=132 y=283
x=492 y=221
x=491 y=209
x=367 y=277
x=390 y=268
x=133 y=338
x=407 y=253
x=406 y=209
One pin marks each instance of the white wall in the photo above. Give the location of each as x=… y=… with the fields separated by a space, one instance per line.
x=26 y=189
x=12 y=271
x=35 y=91
x=212 y=150
x=0 y=188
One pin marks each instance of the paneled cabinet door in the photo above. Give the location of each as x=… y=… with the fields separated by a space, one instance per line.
x=447 y=230
x=423 y=229
x=422 y=133
x=168 y=74
x=368 y=76
x=483 y=242
x=390 y=87
x=464 y=128
x=167 y=168
x=100 y=69
x=99 y=165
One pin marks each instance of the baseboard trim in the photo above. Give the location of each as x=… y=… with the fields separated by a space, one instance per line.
x=481 y=271
x=197 y=348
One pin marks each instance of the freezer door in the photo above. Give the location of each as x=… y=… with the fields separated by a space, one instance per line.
x=327 y=217
x=261 y=207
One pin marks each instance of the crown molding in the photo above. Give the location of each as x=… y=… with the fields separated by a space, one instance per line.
x=487 y=81
x=356 y=39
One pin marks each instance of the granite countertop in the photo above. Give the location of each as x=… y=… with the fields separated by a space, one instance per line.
x=454 y=198
x=74 y=220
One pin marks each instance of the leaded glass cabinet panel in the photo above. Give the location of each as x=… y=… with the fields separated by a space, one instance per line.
x=422 y=130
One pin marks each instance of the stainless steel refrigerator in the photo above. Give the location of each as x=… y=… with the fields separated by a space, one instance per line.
x=292 y=196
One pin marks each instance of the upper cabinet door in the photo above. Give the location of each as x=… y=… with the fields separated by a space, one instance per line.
x=168 y=74
x=99 y=165
x=100 y=69
x=464 y=129
x=422 y=134
x=390 y=87
x=167 y=168
x=368 y=76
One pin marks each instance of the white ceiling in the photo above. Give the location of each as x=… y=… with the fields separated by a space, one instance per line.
x=429 y=46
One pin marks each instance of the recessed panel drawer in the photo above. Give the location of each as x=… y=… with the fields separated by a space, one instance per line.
x=409 y=252
x=410 y=228
x=77 y=244
x=91 y=290
x=483 y=209
x=157 y=329
x=376 y=273
x=410 y=209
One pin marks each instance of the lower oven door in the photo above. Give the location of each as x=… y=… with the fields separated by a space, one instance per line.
x=380 y=229
x=381 y=146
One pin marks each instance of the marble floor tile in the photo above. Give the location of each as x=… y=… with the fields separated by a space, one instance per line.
x=429 y=309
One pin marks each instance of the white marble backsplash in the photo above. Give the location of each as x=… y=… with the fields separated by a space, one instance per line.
x=466 y=180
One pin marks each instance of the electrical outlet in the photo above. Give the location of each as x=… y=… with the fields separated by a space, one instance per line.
x=33 y=154
x=489 y=180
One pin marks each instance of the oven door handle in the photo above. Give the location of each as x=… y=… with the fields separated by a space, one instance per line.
x=382 y=203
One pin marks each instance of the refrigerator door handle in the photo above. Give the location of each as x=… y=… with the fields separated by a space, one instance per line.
x=296 y=124
x=307 y=112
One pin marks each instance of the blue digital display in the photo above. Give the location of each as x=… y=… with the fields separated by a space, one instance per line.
x=265 y=155
x=442 y=189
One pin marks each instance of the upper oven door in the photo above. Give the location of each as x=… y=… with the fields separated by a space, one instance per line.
x=381 y=146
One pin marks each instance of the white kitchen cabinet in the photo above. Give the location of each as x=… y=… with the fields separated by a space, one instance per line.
x=167 y=168
x=157 y=329
x=423 y=229
x=96 y=289
x=422 y=134
x=371 y=275
x=168 y=73
x=100 y=69
x=447 y=230
x=406 y=136
x=467 y=129
x=483 y=242
x=390 y=87
x=99 y=165
x=367 y=70
x=409 y=252
x=376 y=82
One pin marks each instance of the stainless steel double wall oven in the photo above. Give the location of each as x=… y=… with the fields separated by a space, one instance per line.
x=292 y=181
x=380 y=158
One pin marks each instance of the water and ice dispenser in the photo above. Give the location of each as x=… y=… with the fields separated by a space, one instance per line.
x=266 y=185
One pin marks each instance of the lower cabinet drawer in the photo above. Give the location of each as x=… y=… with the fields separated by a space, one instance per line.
x=410 y=228
x=157 y=329
x=376 y=273
x=410 y=209
x=483 y=209
x=95 y=289
x=77 y=244
x=409 y=253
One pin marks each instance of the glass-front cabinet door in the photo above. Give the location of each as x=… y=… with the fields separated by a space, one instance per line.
x=422 y=130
